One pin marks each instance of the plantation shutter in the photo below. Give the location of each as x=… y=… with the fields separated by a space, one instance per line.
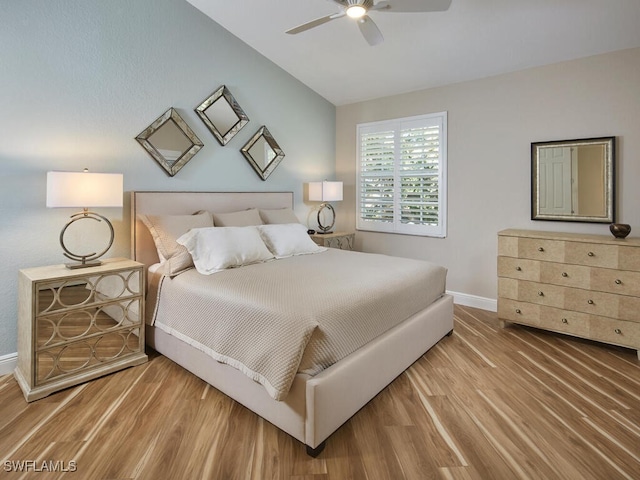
x=401 y=176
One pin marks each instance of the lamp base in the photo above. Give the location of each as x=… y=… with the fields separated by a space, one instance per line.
x=322 y=229
x=324 y=233
x=90 y=260
x=74 y=266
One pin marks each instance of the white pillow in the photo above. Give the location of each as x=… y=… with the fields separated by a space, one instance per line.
x=218 y=248
x=287 y=239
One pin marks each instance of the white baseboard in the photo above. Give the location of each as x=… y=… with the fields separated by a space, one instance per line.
x=467 y=300
x=8 y=363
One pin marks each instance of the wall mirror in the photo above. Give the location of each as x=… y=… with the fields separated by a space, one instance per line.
x=573 y=180
x=222 y=115
x=263 y=153
x=170 y=141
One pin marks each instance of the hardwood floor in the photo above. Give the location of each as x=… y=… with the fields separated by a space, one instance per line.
x=484 y=403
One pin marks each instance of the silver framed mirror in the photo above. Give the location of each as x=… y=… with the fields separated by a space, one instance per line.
x=573 y=180
x=170 y=142
x=222 y=115
x=263 y=153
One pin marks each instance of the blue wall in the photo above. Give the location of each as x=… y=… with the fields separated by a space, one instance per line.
x=79 y=79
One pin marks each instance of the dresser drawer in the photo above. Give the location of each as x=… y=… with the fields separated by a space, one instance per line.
x=629 y=257
x=568 y=275
x=616 y=281
x=519 y=268
x=617 y=332
x=591 y=254
x=564 y=321
x=541 y=249
x=519 y=312
x=531 y=292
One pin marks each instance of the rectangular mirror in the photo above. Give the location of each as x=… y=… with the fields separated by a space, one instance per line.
x=573 y=180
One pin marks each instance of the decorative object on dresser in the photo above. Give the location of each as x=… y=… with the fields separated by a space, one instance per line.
x=263 y=153
x=341 y=240
x=84 y=190
x=222 y=115
x=573 y=180
x=325 y=192
x=170 y=142
x=77 y=325
x=582 y=285
x=620 y=230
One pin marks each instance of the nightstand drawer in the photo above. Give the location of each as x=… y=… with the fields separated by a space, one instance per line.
x=341 y=240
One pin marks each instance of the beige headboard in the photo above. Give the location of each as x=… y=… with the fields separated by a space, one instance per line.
x=185 y=203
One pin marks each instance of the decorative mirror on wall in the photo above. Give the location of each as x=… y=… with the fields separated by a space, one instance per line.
x=263 y=153
x=222 y=115
x=170 y=141
x=573 y=180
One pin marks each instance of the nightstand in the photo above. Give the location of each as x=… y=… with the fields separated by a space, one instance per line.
x=77 y=325
x=342 y=240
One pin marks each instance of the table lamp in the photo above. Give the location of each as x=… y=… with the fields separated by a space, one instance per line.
x=84 y=190
x=325 y=192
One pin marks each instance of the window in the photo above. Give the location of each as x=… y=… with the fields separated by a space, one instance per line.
x=402 y=183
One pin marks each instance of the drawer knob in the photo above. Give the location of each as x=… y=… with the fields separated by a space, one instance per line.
x=518 y=269
x=618 y=331
x=540 y=249
x=565 y=274
x=541 y=294
x=618 y=281
x=518 y=311
x=590 y=302
x=591 y=254
x=564 y=320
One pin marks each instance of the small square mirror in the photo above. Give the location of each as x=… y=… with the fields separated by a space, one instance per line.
x=263 y=153
x=170 y=141
x=222 y=115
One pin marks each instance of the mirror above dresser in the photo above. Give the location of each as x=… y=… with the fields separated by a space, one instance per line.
x=573 y=180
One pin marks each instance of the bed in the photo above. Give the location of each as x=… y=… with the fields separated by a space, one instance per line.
x=316 y=399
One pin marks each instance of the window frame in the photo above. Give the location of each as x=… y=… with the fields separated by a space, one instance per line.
x=396 y=226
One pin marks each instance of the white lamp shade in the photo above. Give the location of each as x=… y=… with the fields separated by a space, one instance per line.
x=325 y=191
x=84 y=189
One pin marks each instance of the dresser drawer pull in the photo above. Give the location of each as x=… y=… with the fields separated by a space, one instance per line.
x=540 y=249
x=541 y=294
x=564 y=320
x=590 y=302
x=591 y=254
x=518 y=269
x=518 y=311
x=565 y=274
x=618 y=281
x=618 y=331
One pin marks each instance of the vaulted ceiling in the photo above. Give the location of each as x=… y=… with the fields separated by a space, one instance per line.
x=472 y=39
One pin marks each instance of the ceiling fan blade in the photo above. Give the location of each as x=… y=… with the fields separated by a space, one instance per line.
x=408 y=6
x=314 y=23
x=370 y=31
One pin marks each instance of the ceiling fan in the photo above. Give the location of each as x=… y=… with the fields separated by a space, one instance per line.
x=358 y=9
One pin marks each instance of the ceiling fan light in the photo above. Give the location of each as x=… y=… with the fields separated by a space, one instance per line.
x=356 y=11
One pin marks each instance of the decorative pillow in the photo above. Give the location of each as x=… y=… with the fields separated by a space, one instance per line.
x=218 y=248
x=165 y=230
x=243 y=218
x=279 y=215
x=285 y=240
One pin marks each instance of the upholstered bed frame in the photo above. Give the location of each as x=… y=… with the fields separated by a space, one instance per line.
x=315 y=406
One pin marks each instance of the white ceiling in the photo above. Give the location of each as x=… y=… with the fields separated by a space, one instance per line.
x=473 y=39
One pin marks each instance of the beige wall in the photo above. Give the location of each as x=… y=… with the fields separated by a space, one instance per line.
x=491 y=124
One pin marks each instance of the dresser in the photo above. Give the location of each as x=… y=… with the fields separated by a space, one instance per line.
x=582 y=285
x=77 y=325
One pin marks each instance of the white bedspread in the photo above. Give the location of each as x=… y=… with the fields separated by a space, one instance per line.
x=303 y=313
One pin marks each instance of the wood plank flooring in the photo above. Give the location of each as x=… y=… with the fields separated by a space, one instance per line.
x=484 y=403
